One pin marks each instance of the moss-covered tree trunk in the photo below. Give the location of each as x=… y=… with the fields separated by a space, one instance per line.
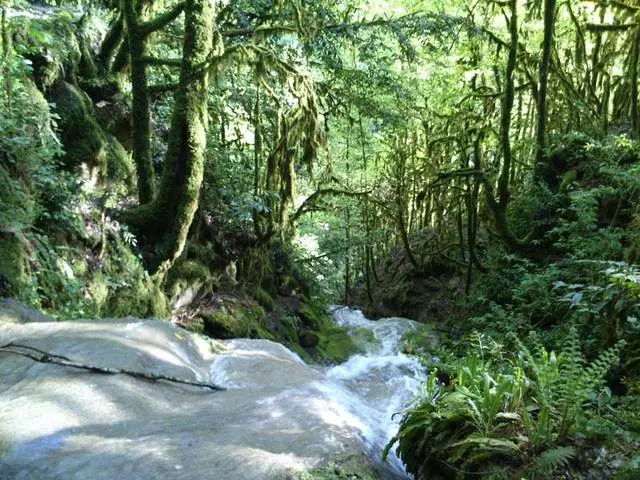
x=177 y=200
x=635 y=55
x=141 y=113
x=541 y=124
x=498 y=206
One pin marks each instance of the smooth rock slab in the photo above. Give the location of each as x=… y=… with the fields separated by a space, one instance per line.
x=62 y=423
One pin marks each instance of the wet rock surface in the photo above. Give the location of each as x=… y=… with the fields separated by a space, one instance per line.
x=277 y=415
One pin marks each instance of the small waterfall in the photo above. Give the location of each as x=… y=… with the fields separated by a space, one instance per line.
x=359 y=396
x=376 y=385
x=278 y=414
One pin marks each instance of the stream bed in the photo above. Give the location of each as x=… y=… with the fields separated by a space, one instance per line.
x=277 y=415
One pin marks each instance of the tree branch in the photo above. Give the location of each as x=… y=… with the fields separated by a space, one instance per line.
x=310 y=201
x=154 y=61
x=162 y=88
x=46 y=357
x=162 y=20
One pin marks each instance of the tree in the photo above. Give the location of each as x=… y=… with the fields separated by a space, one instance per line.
x=137 y=33
x=168 y=217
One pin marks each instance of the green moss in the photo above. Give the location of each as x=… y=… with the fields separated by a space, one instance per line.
x=309 y=339
x=336 y=345
x=196 y=326
x=629 y=470
x=203 y=254
x=12 y=263
x=119 y=163
x=235 y=321
x=264 y=299
x=84 y=140
x=421 y=340
x=365 y=340
x=135 y=294
x=346 y=467
x=187 y=273
x=313 y=314
x=99 y=291
x=222 y=324
x=143 y=298
x=52 y=46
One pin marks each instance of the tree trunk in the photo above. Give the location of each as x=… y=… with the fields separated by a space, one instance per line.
x=168 y=218
x=183 y=169
x=141 y=112
x=635 y=51
x=541 y=125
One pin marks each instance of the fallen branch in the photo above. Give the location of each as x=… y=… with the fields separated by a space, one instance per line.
x=46 y=357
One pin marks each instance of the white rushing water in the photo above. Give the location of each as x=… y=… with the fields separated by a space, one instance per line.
x=376 y=385
x=361 y=395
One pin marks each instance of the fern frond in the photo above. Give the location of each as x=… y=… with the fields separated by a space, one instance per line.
x=544 y=465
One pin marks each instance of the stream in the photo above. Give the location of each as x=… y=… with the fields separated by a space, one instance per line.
x=278 y=414
x=361 y=394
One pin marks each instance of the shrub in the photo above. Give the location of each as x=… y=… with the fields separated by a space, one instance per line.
x=501 y=414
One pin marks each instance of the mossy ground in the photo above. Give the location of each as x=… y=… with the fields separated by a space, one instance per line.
x=346 y=467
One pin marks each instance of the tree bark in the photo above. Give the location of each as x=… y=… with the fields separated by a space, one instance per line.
x=543 y=81
x=182 y=174
x=168 y=218
x=141 y=112
x=635 y=51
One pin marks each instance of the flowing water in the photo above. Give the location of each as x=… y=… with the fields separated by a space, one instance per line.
x=278 y=414
x=362 y=394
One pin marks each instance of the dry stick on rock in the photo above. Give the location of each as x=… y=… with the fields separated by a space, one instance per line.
x=46 y=357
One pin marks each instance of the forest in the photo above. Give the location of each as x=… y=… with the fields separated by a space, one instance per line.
x=238 y=169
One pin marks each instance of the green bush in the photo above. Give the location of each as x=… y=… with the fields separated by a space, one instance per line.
x=500 y=414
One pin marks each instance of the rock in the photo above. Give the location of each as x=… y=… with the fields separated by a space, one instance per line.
x=62 y=423
x=13 y=311
x=309 y=339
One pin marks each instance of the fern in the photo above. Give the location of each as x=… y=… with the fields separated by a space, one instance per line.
x=525 y=412
x=545 y=464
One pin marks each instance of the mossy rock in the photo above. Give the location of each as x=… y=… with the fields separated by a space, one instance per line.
x=141 y=299
x=14 y=311
x=84 y=140
x=51 y=45
x=12 y=265
x=630 y=470
x=99 y=291
x=195 y=326
x=189 y=273
x=365 y=340
x=309 y=339
x=313 y=314
x=421 y=340
x=336 y=345
x=264 y=299
x=346 y=467
x=236 y=323
x=137 y=294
